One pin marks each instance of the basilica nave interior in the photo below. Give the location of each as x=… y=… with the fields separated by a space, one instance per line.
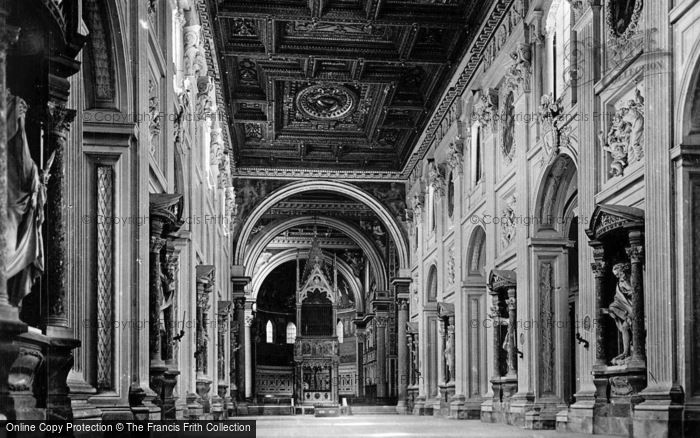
x=471 y=210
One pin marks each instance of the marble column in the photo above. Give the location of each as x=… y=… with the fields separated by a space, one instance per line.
x=360 y=336
x=239 y=310
x=59 y=358
x=599 y=268
x=381 y=322
x=402 y=361
x=402 y=293
x=58 y=119
x=248 y=353
x=238 y=283
x=636 y=254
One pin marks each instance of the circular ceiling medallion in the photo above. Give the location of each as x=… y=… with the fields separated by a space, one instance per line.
x=327 y=102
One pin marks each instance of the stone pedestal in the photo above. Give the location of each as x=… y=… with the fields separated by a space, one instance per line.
x=163 y=383
x=203 y=388
x=503 y=390
x=447 y=391
x=194 y=408
x=226 y=400
x=617 y=393
x=217 y=407
x=420 y=408
x=22 y=355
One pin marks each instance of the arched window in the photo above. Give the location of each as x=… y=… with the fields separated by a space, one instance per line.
x=558 y=41
x=476 y=154
x=431 y=207
x=269 y=338
x=291 y=333
x=339 y=331
x=432 y=284
x=450 y=195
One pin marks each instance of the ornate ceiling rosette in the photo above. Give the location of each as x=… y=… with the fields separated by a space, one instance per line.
x=327 y=101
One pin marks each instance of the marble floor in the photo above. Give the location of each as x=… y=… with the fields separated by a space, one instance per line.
x=387 y=426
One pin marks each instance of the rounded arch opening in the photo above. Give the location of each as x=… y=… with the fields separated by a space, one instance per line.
x=346 y=189
x=476 y=254
x=291 y=255
x=431 y=291
x=558 y=189
x=261 y=241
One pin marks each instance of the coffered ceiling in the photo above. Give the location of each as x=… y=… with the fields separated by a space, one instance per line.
x=335 y=84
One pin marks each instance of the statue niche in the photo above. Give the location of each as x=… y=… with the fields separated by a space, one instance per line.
x=621 y=310
x=616 y=234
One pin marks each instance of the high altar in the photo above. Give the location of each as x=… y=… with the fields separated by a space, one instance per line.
x=316 y=349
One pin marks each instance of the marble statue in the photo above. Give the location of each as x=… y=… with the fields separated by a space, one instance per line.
x=621 y=310
x=449 y=356
x=26 y=197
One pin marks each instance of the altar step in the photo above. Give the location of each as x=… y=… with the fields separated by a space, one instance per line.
x=373 y=410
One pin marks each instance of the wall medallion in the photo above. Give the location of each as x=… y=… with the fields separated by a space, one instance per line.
x=327 y=102
x=623 y=16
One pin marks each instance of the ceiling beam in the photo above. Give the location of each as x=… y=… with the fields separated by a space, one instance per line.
x=366 y=55
x=449 y=18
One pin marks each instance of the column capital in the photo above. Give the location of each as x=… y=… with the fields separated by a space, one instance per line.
x=381 y=320
x=635 y=253
x=599 y=268
x=59 y=117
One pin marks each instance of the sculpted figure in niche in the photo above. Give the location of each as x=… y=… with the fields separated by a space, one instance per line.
x=449 y=356
x=26 y=197
x=621 y=310
x=625 y=138
x=635 y=118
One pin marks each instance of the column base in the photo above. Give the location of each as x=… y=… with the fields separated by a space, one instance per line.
x=578 y=418
x=137 y=399
x=181 y=408
x=661 y=415
x=217 y=407
x=421 y=407
x=523 y=412
x=462 y=408
x=80 y=391
x=411 y=397
x=194 y=410
x=59 y=361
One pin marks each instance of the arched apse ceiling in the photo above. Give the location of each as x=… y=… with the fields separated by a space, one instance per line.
x=263 y=240
x=342 y=188
x=291 y=254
